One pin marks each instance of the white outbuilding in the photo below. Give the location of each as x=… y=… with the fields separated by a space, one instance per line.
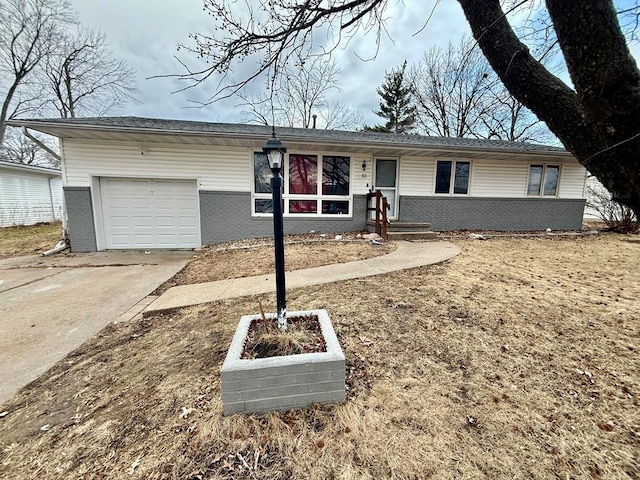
x=29 y=194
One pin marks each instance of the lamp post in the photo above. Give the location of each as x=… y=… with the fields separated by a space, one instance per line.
x=275 y=150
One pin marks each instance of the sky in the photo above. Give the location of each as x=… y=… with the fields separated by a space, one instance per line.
x=145 y=34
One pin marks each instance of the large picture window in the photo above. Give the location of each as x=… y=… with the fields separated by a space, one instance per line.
x=313 y=185
x=452 y=177
x=543 y=180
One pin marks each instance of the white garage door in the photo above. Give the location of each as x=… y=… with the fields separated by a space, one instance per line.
x=150 y=213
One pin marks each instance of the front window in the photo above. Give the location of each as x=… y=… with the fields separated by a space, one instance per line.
x=314 y=185
x=452 y=177
x=543 y=180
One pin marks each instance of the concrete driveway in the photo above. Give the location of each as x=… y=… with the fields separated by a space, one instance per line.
x=51 y=305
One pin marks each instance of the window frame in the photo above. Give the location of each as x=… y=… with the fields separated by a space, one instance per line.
x=318 y=197
x=452 y=177
x=543 y=180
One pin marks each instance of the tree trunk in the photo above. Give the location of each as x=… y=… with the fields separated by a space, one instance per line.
x=5 y=110
x=598 y=122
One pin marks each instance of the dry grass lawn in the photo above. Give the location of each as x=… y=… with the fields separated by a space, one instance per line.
x=516 y=359
x=255 y=257
x=29 y=240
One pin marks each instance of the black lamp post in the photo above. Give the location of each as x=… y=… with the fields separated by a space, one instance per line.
x=275 y=150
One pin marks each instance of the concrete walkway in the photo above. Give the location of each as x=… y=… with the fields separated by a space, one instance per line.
x=407 y=255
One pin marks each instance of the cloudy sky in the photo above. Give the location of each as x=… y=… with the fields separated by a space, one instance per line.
x=145 y=34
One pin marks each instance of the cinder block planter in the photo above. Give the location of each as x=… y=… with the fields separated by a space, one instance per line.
x=281 y=383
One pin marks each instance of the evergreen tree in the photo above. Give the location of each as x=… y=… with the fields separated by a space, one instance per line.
x=396 y=104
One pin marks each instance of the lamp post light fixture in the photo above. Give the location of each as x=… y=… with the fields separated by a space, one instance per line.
x=275 y=150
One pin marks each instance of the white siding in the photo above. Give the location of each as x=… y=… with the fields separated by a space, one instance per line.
x=227 y=169
x=25 y=198
x=361 y=178
x=572 y=181
x=489 y=178
x=498 y=178
x=416 y=176
x=56 y=195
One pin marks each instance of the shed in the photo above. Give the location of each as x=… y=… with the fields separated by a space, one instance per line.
x=146 y=183
x=29 y=194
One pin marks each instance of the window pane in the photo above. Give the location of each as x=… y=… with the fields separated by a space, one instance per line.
x=261 y=173
x=303 y=206
x=303 y=174
x=385 y=173
x=330 y=207
x=335 y=175
x=443 y=177
x=461 y=181
x=264 y=206
x=551 y=180
x=535 y=180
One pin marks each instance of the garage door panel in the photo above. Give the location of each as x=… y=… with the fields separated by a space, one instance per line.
x=118 y=202
x=185 y=238
x=142 y=222
x=115 y=221
x=145 y=213
x=186 y=203
x=164 y=222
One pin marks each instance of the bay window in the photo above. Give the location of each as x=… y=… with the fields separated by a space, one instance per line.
x=313 y=185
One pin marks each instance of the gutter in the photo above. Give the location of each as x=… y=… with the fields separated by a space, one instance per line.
x=39 y=143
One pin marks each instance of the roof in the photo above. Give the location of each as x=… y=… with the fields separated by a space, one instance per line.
x=120 y=127
x=51 y=172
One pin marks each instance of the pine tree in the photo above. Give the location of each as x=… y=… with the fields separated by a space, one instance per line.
x=396 y=104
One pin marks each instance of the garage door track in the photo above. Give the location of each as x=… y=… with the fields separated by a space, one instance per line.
x=51 y=305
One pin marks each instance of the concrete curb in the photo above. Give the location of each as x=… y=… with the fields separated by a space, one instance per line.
x=407 y=255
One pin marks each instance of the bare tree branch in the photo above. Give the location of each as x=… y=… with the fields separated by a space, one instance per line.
x=29 y=30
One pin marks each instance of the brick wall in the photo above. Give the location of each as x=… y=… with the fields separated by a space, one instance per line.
x=82 y=233
x=473 y=213
x=226 y=216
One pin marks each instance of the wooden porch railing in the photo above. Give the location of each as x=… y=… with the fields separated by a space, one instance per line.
x=381 y=207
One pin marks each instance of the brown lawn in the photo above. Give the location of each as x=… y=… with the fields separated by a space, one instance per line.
x=517 y=359
x=256 y=257
x=29 y=240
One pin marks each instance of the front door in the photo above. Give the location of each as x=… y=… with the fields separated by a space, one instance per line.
x=385 y=180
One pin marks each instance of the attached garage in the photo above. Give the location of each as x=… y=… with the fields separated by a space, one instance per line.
x=142 y=213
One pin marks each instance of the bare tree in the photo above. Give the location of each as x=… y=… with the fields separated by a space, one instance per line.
x=29 y=30
x=300 y=94
x=458 y=95
x=597 y=122
x=83 y=77
x=616 y=217
x=452 y=90
x=19 y=149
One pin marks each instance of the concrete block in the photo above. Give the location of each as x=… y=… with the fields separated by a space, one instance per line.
x=280 y=383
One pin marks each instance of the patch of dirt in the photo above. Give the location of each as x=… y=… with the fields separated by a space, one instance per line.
x=265 y=339
x=517 y=358
x=256 y=257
